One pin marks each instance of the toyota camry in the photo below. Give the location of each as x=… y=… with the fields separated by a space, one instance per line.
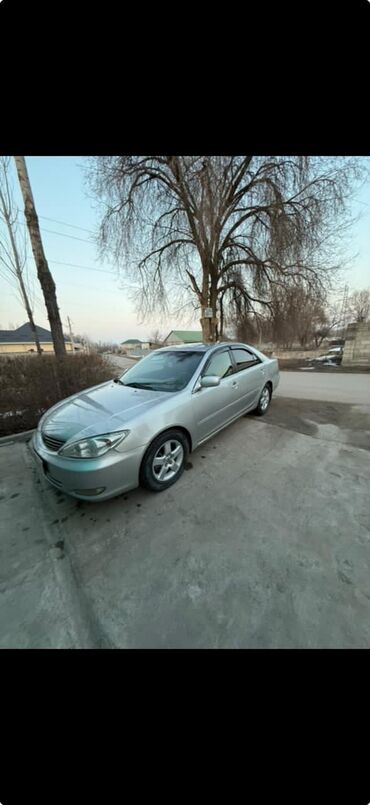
x=140 y=428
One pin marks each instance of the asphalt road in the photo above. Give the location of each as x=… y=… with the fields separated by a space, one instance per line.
x=342 y=388
x=310 y=385
x=120 y=361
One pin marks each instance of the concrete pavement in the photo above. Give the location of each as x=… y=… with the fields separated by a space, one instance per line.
x=264 y=542
x=40 y=606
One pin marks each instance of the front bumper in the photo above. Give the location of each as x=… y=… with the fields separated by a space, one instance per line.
x=89 y=479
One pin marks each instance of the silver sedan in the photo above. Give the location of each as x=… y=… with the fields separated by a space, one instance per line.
x=139 y=428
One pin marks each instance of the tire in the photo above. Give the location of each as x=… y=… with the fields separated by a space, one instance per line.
x=264 y=401
x=171 y=450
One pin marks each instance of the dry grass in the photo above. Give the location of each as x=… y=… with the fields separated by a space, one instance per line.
x=29 y=385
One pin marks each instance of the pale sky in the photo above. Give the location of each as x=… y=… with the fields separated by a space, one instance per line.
x=95 y=300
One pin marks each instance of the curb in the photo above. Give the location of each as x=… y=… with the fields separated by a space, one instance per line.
x=24 y=436
x=81 y=622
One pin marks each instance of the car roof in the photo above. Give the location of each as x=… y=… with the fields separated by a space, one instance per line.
x=201 y=347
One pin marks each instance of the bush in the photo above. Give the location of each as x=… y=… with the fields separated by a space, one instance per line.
x=29 y=385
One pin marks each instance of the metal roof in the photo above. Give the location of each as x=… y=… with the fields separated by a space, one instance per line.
x=24 y=334
x=190 y=336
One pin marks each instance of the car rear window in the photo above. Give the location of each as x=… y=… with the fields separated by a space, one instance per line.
x=244 y=359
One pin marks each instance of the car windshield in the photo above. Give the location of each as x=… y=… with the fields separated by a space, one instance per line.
x=163 y=371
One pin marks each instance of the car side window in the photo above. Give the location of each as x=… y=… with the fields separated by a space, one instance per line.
x=220 y=365
x=244 y=359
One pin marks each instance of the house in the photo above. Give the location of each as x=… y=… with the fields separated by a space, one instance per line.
x=21 y=341
x=131 y=343
x=183 y=337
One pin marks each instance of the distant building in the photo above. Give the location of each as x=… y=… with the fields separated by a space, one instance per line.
x=131 y=343
x=183 y=337
x=21 y=341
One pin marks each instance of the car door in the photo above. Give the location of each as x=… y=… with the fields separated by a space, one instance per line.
x=214 y=407
x=249 y=376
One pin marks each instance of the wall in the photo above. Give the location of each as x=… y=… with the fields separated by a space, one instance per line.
x=357 y=345
x=22 y=349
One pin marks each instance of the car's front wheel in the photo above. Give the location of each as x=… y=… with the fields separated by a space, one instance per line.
x=164 y=461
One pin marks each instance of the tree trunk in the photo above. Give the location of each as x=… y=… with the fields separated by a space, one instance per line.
x=18 y=271
x=30 y=315
x=43 y=272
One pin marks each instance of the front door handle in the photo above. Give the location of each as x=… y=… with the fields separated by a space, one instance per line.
x=235 y=385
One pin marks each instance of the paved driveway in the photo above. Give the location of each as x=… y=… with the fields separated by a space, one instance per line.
x=264 y=542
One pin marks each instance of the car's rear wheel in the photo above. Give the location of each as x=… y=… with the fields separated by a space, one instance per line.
x=264 y=400
x=164 y=461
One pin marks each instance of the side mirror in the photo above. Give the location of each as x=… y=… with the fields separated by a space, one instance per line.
x=209 y=381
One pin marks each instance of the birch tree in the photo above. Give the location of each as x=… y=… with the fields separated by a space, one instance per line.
x=12 y=246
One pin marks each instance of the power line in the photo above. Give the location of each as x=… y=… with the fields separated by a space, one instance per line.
x=64 y=223
x=64 y=235
x=88 y=287
x=61 y=234
x=365 y=203
x=86 y=268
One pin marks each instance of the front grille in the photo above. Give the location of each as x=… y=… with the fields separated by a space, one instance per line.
x=52 y=443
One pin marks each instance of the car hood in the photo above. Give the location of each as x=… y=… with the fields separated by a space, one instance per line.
x=102 y=409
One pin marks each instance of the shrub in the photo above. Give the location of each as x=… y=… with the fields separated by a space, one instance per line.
x=29 y=385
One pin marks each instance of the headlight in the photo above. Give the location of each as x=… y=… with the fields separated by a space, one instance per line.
x=95 y=446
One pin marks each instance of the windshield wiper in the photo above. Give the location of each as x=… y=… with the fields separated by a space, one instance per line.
x=117 y=380
x=139 y=385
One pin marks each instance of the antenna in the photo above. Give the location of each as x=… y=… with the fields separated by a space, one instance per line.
x=343 y=313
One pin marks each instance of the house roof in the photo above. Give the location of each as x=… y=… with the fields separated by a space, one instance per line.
x=24 y=334
x=131 y=341
x=190 y=336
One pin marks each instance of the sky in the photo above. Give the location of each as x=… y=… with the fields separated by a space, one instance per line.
x=88 y=290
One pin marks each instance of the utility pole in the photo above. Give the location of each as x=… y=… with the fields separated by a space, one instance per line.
x=343 y=314
x=43 y=271
x=70 y=333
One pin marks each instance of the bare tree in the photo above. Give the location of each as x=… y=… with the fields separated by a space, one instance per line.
x=156 y=336
x=223 y=228
x=332 y=320
x=12 y=246
x=359 y=305
x=296 y=314
x=43 y=272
